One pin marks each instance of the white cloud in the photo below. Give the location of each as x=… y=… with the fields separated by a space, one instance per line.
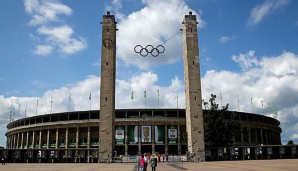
x=246 y=61
x=43 y=50
x=153 y=25
x=259 y=12
x=294 y=136
x=43 y=12
x=60 y=37
x=225 y=39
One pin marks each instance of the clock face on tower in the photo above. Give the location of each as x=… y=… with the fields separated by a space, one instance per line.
x=107 y=43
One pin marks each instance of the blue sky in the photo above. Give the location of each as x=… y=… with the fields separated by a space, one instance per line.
x=51 y=49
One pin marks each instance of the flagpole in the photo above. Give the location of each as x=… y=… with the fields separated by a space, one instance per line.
x=238 y=103
x=145 y=98
x=69 y=102
x=51 y=105
x=177 y=100
x=252 y=107
x=131 y=97
x=220 y=100
x=90 y=100
x=262 y=105
x=157 y=99
x=36 y=107
x=26 y=110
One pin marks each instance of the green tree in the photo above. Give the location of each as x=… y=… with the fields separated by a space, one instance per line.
x=219 y=125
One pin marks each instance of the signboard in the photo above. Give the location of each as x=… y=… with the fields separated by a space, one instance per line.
x=159 y=134
x=146 y=134
x=172 y=134
x=132 y=134
x=119 y=134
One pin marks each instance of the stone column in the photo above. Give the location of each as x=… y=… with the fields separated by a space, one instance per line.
x=153 y=138
x=193 y=93
x=179 y=144
x=88 y=137
x=249 y=135
x=22 y=140
x=66 y=138
x=14 y=141
x=18 y=139
x=77 y=137
x=40 y=134
x=88 y=144
x=126 y=141
x=27 y=141
x=33 y=140
x=57 y=137
x=262 y=139
x=166 y=140
x=107 y=88
x=48 y=139
x=139 y=140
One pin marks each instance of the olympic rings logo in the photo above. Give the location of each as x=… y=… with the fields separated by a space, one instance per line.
x=149 y=49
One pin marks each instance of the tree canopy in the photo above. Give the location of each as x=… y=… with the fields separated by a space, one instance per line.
x=219 y=125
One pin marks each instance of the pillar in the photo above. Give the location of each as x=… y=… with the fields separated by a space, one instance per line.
x=57 y=137
x=33 y=140
x=48 y=139
x=193 y=94
x=66 y=138
x=126 y=141
x=40 y=134
x=107 y=88
x=77 y=137
x=178 y=139
x=27 y=141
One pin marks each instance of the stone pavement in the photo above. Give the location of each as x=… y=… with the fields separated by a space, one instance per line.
x=247 y=165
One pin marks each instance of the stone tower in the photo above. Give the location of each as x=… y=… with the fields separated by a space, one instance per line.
x=107 y=88
x=193 y=95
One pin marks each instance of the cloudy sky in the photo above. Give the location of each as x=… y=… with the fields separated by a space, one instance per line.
x=50 y=56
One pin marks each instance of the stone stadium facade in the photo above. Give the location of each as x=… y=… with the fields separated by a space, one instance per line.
x=74 y=136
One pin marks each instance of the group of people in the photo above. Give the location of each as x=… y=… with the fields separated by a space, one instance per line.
x=146 y=160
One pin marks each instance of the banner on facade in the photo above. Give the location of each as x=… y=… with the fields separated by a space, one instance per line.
x=159 y=134
x=132 y=134
x=119 y=134
x=146 y=134
x=172 y=134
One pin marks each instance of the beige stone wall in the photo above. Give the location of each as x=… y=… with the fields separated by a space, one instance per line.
x=107 y=88
x=193 y=96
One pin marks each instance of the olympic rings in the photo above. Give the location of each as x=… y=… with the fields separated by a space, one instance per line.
x=149 y=49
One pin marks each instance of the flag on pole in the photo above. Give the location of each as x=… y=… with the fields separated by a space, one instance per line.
x=36 y=106
x=131 y=95
x=69 y=98
x=90 y=96
x=238 y=103
x=145 y=94
x=252 y=108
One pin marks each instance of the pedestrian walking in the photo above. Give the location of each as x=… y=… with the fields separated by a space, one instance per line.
x=3 y=160
x=142 y=163
x=153 y=161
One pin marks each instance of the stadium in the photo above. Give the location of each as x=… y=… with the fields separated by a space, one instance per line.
x=73 y=136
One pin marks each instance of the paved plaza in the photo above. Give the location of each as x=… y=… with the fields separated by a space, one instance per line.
x=248 y=165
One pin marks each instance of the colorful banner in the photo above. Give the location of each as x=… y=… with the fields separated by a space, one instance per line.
x=183 y=134
x=132 y=134
x=172 y=134
x=146 y=134
x=120 y=134
x=160 y=134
